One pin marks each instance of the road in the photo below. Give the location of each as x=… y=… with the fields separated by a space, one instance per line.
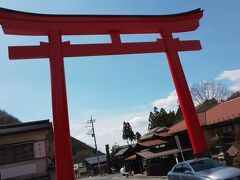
x=120 y=177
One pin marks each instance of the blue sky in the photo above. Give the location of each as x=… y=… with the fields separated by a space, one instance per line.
x=118 y=88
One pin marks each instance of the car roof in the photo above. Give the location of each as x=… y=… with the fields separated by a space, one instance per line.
x=194 y=160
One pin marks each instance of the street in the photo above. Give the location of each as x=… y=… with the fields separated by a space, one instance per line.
x=120 y=177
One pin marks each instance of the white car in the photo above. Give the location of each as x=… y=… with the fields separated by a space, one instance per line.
x=203 y=169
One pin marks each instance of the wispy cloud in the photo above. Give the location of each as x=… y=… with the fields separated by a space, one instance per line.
x=233 y=76
x=168 y=103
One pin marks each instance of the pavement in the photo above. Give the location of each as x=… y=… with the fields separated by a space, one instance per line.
x=120 y=177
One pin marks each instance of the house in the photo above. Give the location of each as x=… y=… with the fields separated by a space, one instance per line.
x=219 y=124
x=80 y=170
x=26 y=151
x=153 y=155
x=124 y=152
x=92 y=165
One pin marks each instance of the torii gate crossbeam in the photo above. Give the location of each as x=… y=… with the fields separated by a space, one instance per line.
x=55 y=26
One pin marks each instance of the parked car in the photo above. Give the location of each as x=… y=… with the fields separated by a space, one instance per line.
x=203 y=169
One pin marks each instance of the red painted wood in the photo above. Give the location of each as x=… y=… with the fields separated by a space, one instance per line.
x=29 y=52
x=62 y=144
x=14 y=22
x=190 y=116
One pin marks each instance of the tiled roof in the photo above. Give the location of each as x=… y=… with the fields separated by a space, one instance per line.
x=234 y=150
x=94 y=160
x=181 y=126
x=225 y=111
x=146 y=154
x=163 y=134
x=133 y=157
x=24 y=127
x=169 y=152
x=150 y=143
x=151 y=155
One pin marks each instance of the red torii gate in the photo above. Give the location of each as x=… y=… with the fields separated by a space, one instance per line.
x=54 y=26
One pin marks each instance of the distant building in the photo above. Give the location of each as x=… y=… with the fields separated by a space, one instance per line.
x=154 y=154
x=92 y=164
x=26 y=151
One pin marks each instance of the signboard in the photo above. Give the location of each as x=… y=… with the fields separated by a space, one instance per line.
x=39 y=149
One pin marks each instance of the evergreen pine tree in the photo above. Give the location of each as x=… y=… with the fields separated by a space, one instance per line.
x=138 y=136
x=125 y=132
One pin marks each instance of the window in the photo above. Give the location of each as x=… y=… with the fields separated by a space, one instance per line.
x=182 y=168
x=227 y=129
x=204 y=164
x=178 y=168
x=16 y=153
x=185 y=168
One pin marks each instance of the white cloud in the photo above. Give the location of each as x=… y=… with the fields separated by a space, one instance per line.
x=233 y=76
x=109 y=128
x=168 y=103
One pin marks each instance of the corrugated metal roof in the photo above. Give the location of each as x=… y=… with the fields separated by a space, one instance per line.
x=24 y=127
x=93 y=160
x=152 y=132
x=121 y=152
x=224 y=112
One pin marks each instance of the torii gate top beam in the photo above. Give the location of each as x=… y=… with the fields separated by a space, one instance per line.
x=22 y=23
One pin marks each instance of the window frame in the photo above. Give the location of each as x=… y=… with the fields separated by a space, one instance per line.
x=13 y=153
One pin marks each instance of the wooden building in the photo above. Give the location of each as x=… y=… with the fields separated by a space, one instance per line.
x=26 y=151
x=156 y=152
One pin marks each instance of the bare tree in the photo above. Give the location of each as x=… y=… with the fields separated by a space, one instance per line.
x=208 y=90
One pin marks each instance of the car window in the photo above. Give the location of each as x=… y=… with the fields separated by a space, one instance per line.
x=204 y=164
x=182 y=168
x=178 y=168
x=186 y=168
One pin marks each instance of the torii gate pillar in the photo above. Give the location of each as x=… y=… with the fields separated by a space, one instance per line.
x=62 y=144
x=184 y=96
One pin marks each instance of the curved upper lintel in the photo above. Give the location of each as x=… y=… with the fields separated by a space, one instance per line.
x=24 y=23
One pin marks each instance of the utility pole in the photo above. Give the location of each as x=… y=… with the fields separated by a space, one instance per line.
x=91 y=121
x=179 y=147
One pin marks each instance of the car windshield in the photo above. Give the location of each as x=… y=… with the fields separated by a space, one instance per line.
x=204 y=164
